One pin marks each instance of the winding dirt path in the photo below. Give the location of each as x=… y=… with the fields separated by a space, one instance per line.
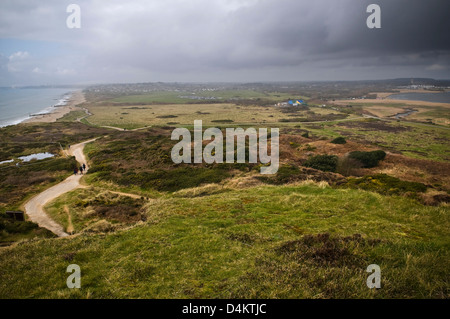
x=34 y=208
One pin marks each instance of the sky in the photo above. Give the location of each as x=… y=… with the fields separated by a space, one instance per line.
x=221 y=41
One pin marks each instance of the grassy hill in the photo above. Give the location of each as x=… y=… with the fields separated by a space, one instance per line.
x=293 y=241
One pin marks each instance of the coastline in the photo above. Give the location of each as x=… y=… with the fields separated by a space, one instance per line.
x=385 y=95
x=384 y=98
x=390 y=101
x=57 y=112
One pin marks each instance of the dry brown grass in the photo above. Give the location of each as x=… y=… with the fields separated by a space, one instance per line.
x=400 y=166
x=435 y=198
x=183 y=114
x=416 y=170
x=243 y=182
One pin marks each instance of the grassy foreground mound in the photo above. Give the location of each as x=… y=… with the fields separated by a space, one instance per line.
x=295 y=241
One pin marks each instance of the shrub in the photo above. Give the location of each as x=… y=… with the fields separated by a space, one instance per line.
x=296 y=119
x=387 y=185
x=348 y=166
x=173 y=179
x=222 y=121
x=284 y=175
x=368 y=159
x=11 y=230
x=326 y=163
x=166 y=116
x=310 y=148
x=339 y=140
x=13 y=227
x=102 y=226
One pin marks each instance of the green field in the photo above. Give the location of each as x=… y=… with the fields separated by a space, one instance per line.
x=170 y=97
x=411 y=139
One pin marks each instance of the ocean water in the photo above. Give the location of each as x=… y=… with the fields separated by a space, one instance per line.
x=427 y=97
x=18 y=104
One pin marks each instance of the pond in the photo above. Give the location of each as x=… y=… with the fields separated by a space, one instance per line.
x=37 y=156
x=405 y=114
x=8 y=161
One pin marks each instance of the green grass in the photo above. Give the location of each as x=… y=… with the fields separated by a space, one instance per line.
x=412 y=139
x=184 y=114
x=172 y=97
x=88 y=206
x=385 y=184
x=12 y=231
x=261 y=243
x=72 y=116
x=17 y=184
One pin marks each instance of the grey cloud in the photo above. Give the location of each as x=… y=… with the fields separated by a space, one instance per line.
x=232 y=40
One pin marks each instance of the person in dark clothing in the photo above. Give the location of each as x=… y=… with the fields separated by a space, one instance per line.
x=84 y=167
x=75 y=171
x=81 y=170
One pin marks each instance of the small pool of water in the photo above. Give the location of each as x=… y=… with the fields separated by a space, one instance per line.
x=8 y=161
x=37 y=156
x=405 y=114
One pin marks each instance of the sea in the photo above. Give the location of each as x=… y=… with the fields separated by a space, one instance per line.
x=20 y=104
x=443 y=97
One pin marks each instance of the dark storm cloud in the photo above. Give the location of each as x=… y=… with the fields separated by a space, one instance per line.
x=338 y=29
x=235 y=40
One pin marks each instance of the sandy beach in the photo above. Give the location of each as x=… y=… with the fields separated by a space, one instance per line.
x=59 y=111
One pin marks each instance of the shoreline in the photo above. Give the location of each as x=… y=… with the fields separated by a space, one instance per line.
x=58 y=112
x=384 y=98
x=385 y=95
x=390 y=101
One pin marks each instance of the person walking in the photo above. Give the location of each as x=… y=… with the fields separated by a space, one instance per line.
x=75 y=171
x=84 y=167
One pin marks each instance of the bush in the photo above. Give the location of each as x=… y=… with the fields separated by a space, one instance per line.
x=173 y=179
x=222 y=121
x=50 y=165
x=284 y=175
x=166 y=116
x=11 y=230
x=348 y=166
x=368 y=159
x=310 y=148
x=102 y=226
x=296 y=119
x=326 y=163
x=339 y=140
x=387 y=185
